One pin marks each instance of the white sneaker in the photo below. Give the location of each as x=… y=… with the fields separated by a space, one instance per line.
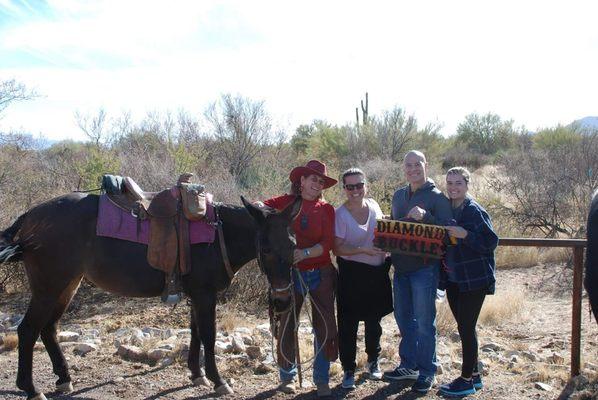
x=287 y=387
x=374 y=370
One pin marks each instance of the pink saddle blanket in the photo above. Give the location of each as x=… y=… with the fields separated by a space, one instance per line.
x=117 y=223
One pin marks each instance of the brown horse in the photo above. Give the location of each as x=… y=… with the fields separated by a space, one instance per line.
x=58 y=244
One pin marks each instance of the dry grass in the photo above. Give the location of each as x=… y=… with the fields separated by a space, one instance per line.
x=445 y=322
x=390 y=351
x=503 y=306
x=555 y=255
x=231 y=319
x=9 y=342
x=517 y=257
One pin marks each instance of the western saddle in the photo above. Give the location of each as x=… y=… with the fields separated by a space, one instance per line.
x=168 y=212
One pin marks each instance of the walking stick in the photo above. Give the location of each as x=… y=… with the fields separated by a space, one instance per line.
x=297 y=349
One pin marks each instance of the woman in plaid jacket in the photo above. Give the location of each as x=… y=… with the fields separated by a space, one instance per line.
x=468 y=275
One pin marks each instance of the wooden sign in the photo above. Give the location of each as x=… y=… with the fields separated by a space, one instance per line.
x=412 y=238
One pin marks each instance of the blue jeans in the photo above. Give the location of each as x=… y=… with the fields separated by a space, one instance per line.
x=321 y=372
x=415 y=312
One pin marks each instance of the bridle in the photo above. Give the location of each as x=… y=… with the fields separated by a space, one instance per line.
x=260 y=263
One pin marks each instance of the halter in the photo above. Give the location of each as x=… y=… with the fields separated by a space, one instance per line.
x=260 y=263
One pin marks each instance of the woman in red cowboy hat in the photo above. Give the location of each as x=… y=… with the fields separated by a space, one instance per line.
x=314 y=273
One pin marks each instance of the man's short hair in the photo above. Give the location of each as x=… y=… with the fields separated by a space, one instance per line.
x=417 y=153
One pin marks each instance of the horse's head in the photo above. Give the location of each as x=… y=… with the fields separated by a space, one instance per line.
x=275 y=246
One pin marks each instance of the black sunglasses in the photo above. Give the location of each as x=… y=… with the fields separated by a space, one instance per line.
x=350 y=186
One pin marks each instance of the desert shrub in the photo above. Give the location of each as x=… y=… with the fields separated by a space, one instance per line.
x=548 y=191
x=471 y=159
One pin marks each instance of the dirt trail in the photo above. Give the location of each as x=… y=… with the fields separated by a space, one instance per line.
x=542 y=329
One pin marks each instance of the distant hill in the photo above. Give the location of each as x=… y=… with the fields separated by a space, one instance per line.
x=585 y=124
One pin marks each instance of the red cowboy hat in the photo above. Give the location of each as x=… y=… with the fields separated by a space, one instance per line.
x=313 y=167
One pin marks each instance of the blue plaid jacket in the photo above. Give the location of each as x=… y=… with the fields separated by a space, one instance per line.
x=470 y=264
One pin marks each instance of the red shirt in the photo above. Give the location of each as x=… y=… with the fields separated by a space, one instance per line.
x=314 y=225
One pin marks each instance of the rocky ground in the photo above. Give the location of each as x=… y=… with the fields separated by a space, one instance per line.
x=135 y=349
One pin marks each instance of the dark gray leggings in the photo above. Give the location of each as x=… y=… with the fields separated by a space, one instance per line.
x=466 y=307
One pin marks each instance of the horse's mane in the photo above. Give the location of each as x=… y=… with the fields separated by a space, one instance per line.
x=234 y=213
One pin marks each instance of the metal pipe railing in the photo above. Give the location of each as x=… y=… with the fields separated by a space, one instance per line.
x=578 y=246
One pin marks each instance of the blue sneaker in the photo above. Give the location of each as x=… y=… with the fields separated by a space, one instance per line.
x=348 y=380
x=423 y=384
x=477 y=381
x=458 y=388
x=399 y=374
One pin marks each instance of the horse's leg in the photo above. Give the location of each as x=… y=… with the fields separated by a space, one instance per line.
x=204 y=304
x=198 y=375
x=48 y=335
x=29 y=329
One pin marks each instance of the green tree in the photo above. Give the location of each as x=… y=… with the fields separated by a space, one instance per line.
x=302 y=138
x=552 y=138
x=486 y=134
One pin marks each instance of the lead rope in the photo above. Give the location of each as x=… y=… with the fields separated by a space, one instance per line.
x=298 y=363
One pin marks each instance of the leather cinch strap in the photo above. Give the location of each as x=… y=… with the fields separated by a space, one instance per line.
x=227 y=266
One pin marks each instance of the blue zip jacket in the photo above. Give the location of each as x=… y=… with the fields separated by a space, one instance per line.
x=470 y=264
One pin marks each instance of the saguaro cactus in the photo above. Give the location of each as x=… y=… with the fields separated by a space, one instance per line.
x=364 y=110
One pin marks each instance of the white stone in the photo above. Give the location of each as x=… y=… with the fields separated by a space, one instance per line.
x=491 y=347
x=155 y=332
x=238 y=345
x=263 y=329
x=158 y=354
x=543 y=386
x=242 y=331
x=67 y=336
x=221 y=347
x=84 y=348
x=167 y=346
x=132 y=353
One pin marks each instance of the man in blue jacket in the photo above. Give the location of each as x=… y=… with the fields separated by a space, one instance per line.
x=416 y=278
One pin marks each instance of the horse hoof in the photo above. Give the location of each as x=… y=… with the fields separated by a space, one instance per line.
x=224 y=390
x=201 y=381
x=65 y=387
x=39 y=396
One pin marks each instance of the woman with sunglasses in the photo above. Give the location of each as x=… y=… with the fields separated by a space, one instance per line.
x=468 y=275
x=313 y=274
x=364 y=290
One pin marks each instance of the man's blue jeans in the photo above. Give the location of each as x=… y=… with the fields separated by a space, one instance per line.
x=414 y=296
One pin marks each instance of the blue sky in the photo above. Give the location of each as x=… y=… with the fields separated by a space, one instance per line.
x=531 y=61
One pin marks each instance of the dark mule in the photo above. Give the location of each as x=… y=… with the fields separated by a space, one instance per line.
x=58 y=244
x=591 y=280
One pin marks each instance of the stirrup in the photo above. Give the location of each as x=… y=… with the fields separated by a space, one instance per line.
x=172 y=291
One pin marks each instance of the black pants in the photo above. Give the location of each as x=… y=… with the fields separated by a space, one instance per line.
x=347 y=340
x=466 y=307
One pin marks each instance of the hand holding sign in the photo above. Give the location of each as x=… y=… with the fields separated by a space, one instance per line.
x=456 y=232
x=416 y=213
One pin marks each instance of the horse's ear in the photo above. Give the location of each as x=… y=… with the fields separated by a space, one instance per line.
x=257 y=213
x=292 y=209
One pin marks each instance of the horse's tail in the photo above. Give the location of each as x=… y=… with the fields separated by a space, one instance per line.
x=9 y=249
